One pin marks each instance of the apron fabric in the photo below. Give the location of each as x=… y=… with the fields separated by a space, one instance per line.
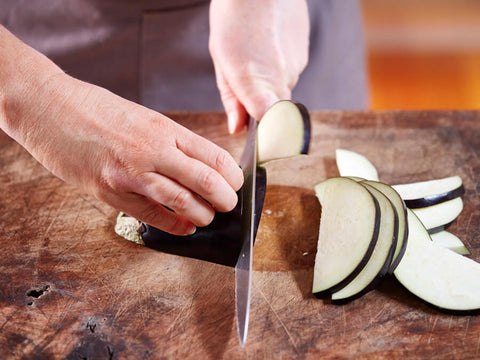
x=155 y=52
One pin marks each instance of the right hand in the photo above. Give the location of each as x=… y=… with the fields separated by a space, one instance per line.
x=259 y=49
x=132 y=158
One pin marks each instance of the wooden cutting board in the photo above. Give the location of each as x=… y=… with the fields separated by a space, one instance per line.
x=71 y=288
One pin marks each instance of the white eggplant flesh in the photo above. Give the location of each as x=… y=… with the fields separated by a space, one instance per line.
x=401 y=212
x=441 y=214
x=350 y=163
x=284 y=131
x=349 y=226
x=428 y=193
x=450 y=241
x=379 y=262
x=438 y=275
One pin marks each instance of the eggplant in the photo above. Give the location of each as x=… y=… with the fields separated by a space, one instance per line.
x=448 y=240
x=401 y=212
x=219 y=242
x=350 y=163
x=379 y=262
x=439 y=276
x=349 y=229
x=427 y=193
x=440 y=215
x=284 y=131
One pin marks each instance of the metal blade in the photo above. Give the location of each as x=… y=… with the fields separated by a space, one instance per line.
x=243 y=274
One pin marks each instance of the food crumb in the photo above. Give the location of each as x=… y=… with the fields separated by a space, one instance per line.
x=129 y=228
x=305 y=253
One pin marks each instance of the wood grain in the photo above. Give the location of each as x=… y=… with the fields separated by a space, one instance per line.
x=70 y=288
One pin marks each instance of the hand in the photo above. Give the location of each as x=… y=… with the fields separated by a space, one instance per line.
x=132 y=158
x=259 y=49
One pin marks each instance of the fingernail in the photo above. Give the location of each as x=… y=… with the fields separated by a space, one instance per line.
x=191 y=230
x=232 y=122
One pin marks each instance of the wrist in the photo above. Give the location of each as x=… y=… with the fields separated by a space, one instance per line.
x=24 y=72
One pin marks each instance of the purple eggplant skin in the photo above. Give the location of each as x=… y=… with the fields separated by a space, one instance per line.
x=435 y=199
x=395 y=263
x=440 y=228
x=306 y=127
x=327 y=292
x=219 y=242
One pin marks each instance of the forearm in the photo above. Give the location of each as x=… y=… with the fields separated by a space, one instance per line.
x=83 y=134
x=23 y=73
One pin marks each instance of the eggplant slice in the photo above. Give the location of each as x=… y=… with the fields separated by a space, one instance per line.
x=349 y=227
x=427 y=193
x=440 y=215
x=437 y=275
x=379 y=263
x=401 y=210
x=350 y=163
x=284 y=131
x=448 y=240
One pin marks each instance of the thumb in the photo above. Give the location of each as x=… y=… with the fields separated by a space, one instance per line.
x=257 y=104
x=257 y=95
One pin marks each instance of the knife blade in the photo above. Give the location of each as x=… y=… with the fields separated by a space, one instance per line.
x=228 y=240
x=243 y=267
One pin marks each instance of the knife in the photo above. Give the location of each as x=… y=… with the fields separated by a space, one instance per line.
x=228 y=240
x=243 y=267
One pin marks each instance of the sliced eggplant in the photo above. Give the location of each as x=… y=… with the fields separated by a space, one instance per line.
x=380 y=260
x=427 y=193
x=437 y=275
x=401 y=211
x=356 y=178
x=440 y=214
x=350 y=163
x=349 y=227
x=439 y=228
x=283 y=131
x=448 y=240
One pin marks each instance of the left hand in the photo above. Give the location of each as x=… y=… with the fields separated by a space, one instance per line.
x=259 y=49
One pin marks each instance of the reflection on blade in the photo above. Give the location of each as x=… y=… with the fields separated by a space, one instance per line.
x=243 y=276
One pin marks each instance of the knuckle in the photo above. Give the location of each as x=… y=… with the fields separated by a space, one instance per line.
x=164 y=219
x=150 y=214
x=208 y=182
x=177 y=226
x=111 y=181
x=221 y=160
x=180 y=200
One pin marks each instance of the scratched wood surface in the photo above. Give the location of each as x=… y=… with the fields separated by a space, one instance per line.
x=70 y=288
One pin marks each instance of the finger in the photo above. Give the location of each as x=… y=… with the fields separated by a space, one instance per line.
x=236 y=113
x=152 y=213
x=291 y=83
x=237 y=118
x=216 y=158
x=177 y=198
x=199 y=178
x=257 y=95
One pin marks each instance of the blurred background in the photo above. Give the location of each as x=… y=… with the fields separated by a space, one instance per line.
x=423 y=54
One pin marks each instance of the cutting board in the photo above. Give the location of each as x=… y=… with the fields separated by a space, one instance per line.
x=71 y=288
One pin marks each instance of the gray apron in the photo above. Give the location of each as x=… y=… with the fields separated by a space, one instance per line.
x=155 y=52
